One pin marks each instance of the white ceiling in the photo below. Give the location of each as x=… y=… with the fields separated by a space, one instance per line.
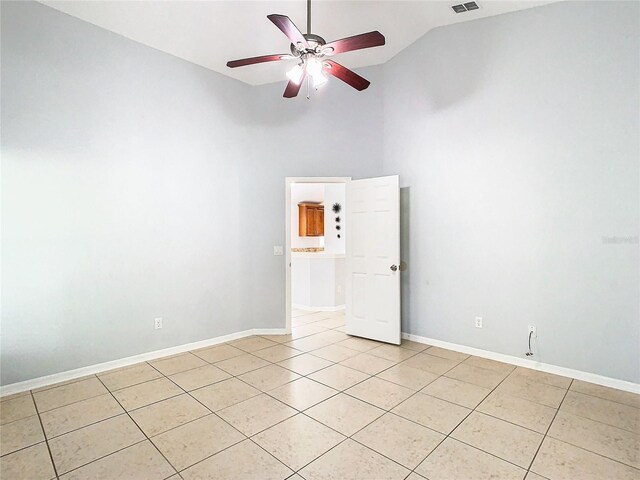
x=209 y=33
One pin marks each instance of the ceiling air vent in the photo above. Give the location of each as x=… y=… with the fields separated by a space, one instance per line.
x=465 y=7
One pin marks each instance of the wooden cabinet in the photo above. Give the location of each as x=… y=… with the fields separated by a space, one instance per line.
x=311 y=220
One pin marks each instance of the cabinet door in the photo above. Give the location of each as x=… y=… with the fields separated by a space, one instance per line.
x=320 y=222
x=303 y=218
x=311 y=222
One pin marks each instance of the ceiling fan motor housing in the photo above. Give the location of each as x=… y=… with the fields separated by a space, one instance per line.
x=315 y=43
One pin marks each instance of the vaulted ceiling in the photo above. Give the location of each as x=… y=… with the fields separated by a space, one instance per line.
x=209 y=33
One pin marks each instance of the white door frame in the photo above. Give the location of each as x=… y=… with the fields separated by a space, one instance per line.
x=287 y=249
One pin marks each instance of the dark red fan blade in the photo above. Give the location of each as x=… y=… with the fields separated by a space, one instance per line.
x=289 y=28
x=293 y=88
x=357 y=42
x=346 y=75
x=252 y=60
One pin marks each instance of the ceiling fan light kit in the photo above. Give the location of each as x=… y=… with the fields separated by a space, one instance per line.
x=311 y=51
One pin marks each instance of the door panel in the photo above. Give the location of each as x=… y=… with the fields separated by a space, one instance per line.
x=373 y=246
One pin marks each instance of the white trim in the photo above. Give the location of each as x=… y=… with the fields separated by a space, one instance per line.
x=318 y=309
x=125 y=362
x=287 y=234
x=532 y=364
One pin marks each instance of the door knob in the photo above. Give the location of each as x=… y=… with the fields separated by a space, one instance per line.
x=394 y=268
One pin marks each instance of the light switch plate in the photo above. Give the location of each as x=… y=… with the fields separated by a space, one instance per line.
x=278 y=250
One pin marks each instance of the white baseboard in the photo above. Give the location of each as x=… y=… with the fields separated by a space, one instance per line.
x=534 y=365
x=125 y=362
x=318 y=309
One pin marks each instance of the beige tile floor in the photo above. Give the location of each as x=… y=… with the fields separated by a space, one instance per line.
x=318 y=404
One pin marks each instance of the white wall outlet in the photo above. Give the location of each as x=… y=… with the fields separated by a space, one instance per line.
x=278 y=250
x=478 y=322
x=157 y=322
x=533 y=331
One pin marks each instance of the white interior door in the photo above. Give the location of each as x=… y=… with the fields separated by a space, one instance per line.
x=373 y=259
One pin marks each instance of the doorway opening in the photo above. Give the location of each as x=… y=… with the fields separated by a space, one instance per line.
x=316 y=231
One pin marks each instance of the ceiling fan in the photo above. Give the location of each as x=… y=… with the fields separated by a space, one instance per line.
x=311 y=50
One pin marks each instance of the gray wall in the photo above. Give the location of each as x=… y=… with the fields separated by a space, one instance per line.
x=138 y=185
x=517 y=143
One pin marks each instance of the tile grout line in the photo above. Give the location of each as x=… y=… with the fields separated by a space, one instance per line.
x=332 y=363
x=222 y=419
x=44 y=434
x=143 y=432
x=448 y=435
x=549 y=427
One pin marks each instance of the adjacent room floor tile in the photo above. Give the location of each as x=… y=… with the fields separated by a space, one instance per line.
x=407 y=376
x=70 y=393
x=601 y=410
x=87 y=444
x=162 y=416
x=17 y=408
x=277 y=353
x=190 y=443
x=146 y=393
x=352 y=461
x=531 y=415
x=475 y=375
x=456 y=391
x=339 y=377
x=177 y=363
x=432 y=412
x=455 y=460
x=380 y=393
x=218 y=353
x=140 y=462
x=269 y=377
x=368 y=363
x=612 y=394
x=508 y=441
x=525 y=387
x=331 y=322
x=245 y=460
x=345 y=414
x=128 y=376
x=224 y=394
x=559 y=460
x=430 y=363
x=298 y=440
x=242 y=364
x=307 y=330
x=32 y=463
x=302 y=393
x=20 y=434
x=401 y=440
x=252 y=344
x=256 y=414
x=199 y=377
x=80 y=414
x=305 y=364
x=612 y=442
